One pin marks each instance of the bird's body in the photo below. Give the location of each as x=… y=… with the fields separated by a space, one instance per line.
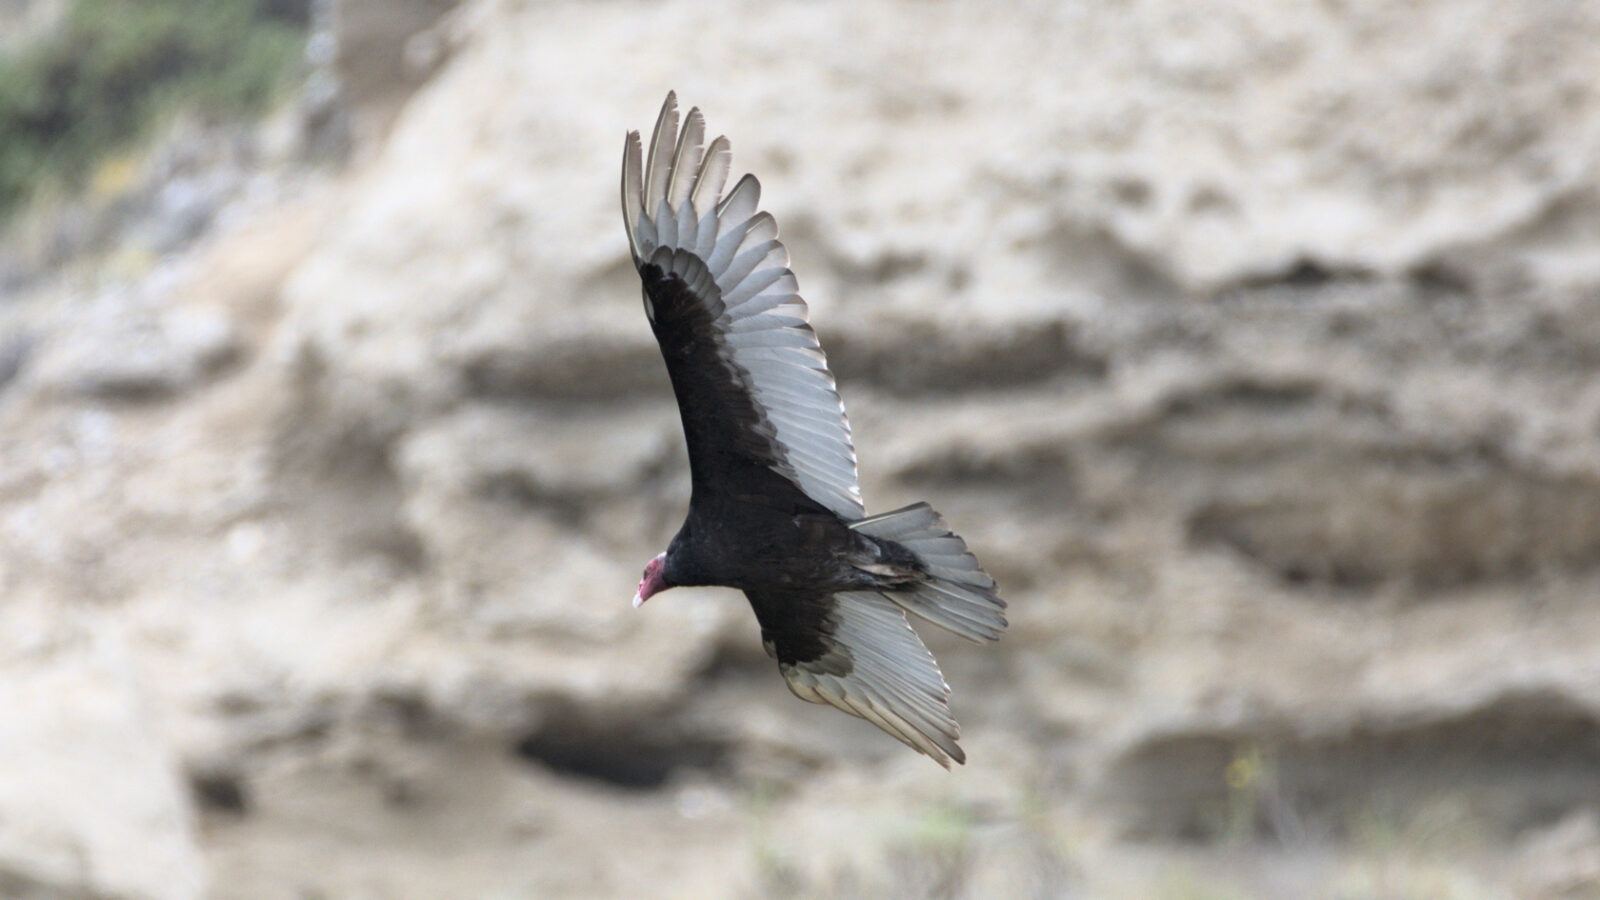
x=775 y=509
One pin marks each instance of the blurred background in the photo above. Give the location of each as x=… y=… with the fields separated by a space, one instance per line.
x=1255 y=348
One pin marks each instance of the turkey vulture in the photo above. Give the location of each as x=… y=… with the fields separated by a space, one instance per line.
x=775 y=510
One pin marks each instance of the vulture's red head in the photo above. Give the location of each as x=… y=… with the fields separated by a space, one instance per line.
x=654 y=580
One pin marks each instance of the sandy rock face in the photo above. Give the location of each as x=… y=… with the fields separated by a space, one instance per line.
x=92 y=802
x=1253 y=350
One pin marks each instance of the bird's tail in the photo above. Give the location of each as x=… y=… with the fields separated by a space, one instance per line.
x=957 y=594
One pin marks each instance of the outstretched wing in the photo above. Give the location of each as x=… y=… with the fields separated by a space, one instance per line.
x=752 y=382
x=856 y=651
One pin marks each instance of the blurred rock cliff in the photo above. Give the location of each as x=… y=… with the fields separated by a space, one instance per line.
x=1255 y=349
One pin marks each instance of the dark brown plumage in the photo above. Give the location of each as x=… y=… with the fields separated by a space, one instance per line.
x=775 y=509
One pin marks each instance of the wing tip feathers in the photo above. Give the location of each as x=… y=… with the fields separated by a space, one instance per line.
x=891 y=681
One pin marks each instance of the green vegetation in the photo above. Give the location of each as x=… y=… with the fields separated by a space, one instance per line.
x=114 y=69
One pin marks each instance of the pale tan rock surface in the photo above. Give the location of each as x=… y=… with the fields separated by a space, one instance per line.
x=1253 y=347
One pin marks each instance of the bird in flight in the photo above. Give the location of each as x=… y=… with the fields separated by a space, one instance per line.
x=775 y=509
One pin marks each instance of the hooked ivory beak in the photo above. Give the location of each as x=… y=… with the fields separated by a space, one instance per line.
x=652 y=581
